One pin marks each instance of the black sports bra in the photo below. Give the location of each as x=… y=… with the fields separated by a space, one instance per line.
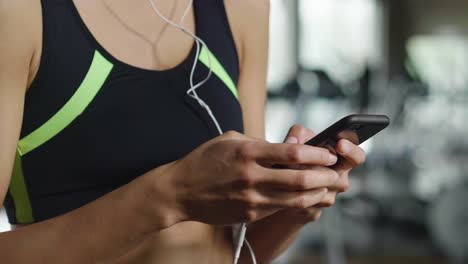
x=93 y=123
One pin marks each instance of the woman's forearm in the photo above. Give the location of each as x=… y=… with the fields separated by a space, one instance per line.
x=97 y=232
x=269 y=239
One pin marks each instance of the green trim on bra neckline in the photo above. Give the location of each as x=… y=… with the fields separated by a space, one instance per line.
x=97 y=74
x=207 y=58
x=95 y=78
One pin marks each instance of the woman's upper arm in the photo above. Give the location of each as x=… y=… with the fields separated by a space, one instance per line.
x=16 y=53
x=250 y=23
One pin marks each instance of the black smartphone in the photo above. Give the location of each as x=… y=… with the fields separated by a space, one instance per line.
x=355 y=128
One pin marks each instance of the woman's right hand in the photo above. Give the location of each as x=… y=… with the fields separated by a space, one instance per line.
x=230 y=179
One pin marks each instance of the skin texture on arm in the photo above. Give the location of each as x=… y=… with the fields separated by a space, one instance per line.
x=250 y=23
x=85 y=235
x=16 y=51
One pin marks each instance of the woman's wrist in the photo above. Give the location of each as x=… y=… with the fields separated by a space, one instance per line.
x=157 y=199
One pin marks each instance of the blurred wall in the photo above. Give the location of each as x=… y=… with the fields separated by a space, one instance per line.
x=437 y=16
x=405 y=18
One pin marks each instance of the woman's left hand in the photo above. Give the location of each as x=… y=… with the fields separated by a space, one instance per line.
x=352 y=156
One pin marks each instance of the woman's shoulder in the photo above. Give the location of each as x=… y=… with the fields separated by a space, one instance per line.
x=256 y=6
x=247 y=17
x=21 y=29
x=21 y=16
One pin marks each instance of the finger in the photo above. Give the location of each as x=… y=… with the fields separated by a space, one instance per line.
x=296 y=180
x=287 y=154
x=342 y=184
x=299 y=135
x=296 y=200
x=328 y=200
x=353 y=154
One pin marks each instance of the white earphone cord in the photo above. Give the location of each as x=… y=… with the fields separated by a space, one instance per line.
x=192 y=93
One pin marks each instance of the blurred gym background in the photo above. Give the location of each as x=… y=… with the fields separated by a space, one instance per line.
x=404 y=58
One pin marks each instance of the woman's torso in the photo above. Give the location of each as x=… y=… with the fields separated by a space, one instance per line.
x=112 y=121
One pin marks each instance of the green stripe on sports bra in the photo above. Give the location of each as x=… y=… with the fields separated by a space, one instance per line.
x=207 y=58
x=19 y=194
x=97 y=74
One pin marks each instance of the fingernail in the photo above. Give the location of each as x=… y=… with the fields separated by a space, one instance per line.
x=291 y=140
x=332 y=159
